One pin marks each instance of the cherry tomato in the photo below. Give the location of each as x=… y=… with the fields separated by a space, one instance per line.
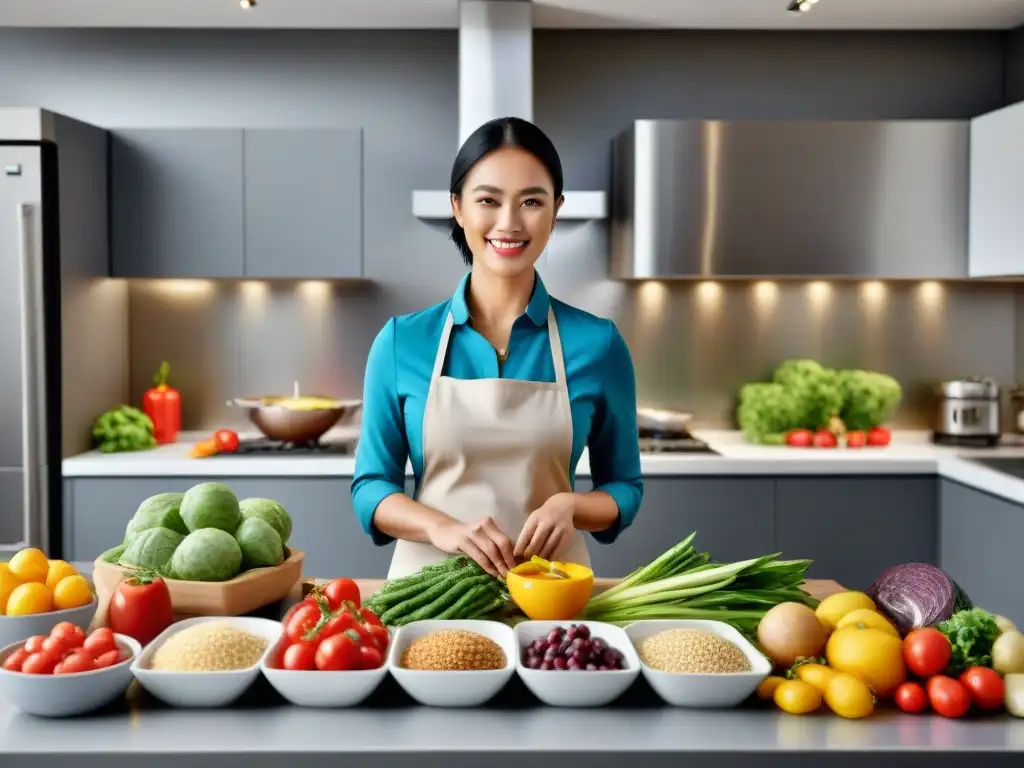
x=13 y=662
x=926 y=652
x=985 y=687
x=879 y=437
x=226 y=440
x=75 y=663
x=370 y=617
x=341 y=591
x=57 y=646
x=141 y=608
x=41 y=663
x=35 y=643
x=340 y=652
x=825 y=439
x=299 y=656
x=856 y=439
x=948 y=697
x=379 y=636
x=299 y=623
x=910 y=697
x=370 y=657
x=108 y=659
x=74 y=636
x=799 y=438
x=100 y=641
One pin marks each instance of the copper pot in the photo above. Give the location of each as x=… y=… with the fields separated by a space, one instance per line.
x=298 y=418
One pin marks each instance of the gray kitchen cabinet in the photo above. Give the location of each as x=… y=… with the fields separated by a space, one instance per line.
x=303 y=203
x=853 y=528
x=176 y=203
x=324 y=524
x=734 y=519
x=979 y=536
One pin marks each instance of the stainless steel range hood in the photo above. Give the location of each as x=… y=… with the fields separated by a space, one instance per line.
x=496 y=80
x=858 y=199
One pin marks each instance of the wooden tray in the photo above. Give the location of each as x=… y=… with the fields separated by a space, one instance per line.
x=243 y=594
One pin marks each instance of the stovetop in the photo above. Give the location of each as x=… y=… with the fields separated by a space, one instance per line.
x=652 y=441
x=262 y=446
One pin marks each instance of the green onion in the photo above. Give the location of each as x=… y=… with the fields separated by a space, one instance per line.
x=685 y=584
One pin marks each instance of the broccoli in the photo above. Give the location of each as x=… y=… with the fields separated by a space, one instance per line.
x=766 y=412
x=815 y=389
x=868 y=398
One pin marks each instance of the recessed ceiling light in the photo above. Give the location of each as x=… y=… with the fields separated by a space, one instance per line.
x=247 y=3
x=801 y=6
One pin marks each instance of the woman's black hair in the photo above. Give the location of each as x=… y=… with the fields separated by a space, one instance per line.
x=492 y=135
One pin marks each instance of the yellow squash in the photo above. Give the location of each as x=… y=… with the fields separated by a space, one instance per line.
x=835 y=607
x=874 y=656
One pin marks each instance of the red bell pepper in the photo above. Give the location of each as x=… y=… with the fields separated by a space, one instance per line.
x=163 y=406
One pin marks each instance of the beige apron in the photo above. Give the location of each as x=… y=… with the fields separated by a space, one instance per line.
x=497 y=447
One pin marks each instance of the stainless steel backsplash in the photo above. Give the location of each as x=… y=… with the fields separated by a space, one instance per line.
x=693 y=344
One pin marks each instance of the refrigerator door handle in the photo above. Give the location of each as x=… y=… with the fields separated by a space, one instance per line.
x=29 y=243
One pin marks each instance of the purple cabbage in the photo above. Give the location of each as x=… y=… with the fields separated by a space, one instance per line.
x=914 y=595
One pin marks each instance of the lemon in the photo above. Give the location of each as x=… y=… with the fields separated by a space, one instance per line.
x=868 y=618
x=29 y=598
x=30 y=565
x=8 y=581
x=834 y=607
x=71 y=592
x=58 y=570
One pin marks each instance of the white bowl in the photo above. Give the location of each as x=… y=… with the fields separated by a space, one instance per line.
x=314 y=688
x=16 y=628
x=564 y=688
x=708 y=691
x=67 y=695
x=203 y=689
x=469 y=688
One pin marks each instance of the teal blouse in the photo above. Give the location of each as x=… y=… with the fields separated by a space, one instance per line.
x=599 y=373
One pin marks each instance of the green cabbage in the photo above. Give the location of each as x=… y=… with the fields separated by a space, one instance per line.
x=260 y=544
x=270 y=511
x=210 y=505
x=160 y=511
x=208 y=554
x=152 y=549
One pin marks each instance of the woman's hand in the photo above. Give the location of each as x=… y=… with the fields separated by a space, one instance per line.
x=548 y=528
x=482 y=540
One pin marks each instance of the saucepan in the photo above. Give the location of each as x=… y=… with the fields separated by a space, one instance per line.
x=298 y=418
x=662 y=421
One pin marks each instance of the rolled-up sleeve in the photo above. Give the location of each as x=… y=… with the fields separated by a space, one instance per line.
x=383 y=449
x=614 y=445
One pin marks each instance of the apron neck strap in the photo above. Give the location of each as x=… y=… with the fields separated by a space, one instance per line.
x=557 y=358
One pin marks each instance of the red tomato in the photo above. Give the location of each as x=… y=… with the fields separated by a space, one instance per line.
x=341 y=591
x=379 y=635
x=141 y=608
x=370 y=657
x=879 y=437
x=226 y=440
x=75 y=663
x=926 y=652
x=299 y=656
x=41 y=663
x=56 y=646
x=856 y=439
x=100 y=641
x=339 y=652
x=108 y=659
x=301 y=621
x=74 y=636
x=35 y=643
x=948 y=697
x=985 y=686
x=13 y=662
x=370 y=617
x=910 y=697
x=825 y=439
x=799 y=438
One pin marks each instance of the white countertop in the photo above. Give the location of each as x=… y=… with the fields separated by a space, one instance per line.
x=911 y=453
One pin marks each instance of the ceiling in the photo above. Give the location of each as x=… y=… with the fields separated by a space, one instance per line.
x=420 y=14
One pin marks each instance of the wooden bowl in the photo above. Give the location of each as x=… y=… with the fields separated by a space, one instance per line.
x=243 y=594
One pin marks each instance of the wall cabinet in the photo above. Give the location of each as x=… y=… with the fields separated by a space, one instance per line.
x=234 y=203
x=978 y=539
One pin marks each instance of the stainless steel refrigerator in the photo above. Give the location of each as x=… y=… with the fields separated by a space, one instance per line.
x=54 y=259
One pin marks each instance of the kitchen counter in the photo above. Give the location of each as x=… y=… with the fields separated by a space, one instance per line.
x=391 y=730
x=911 y=453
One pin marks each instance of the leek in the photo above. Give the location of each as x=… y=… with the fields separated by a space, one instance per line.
x=685 y=584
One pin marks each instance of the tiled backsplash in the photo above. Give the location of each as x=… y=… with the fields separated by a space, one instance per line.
x=693 y=344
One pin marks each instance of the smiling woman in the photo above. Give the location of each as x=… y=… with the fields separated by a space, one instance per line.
x=494 y=393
